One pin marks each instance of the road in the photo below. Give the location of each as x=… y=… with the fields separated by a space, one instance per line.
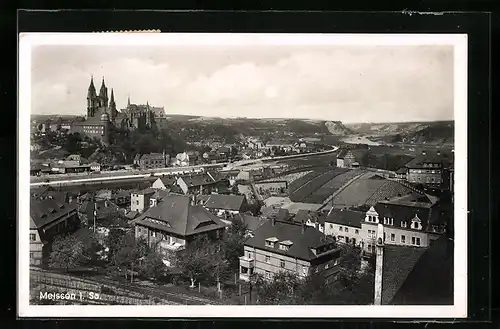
x=124 y=175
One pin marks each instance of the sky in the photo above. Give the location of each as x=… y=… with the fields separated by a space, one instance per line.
x=351 y=84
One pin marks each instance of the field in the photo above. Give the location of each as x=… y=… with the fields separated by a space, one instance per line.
x=298 y=183
x=368 y=190
x=323 y=192
x=314 y=160
x=289 y=178
x=304 y=193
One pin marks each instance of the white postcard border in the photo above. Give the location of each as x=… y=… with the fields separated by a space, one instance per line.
x=29 y=40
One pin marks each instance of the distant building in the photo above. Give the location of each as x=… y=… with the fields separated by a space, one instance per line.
x=139 y=201
x=427 y=169
x=174 y=222
x=225 y=204
x=48 y=219
x=164 y=183
x=205 y=183
x=152 y=160
x=345 y=159
x=289 y=246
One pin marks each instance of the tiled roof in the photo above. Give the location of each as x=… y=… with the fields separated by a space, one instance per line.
x=148 y=190
x=313 y=216
x=176 y=215
x=167 y=180
x=429 y=157
x=346 y=217
x=303 y=241
x=398 y=261
x=226 y=202
x=160 y=194
x=430 y=281
x=401 y=171
x=43 y=212
x=252 y=223
x=198 y=180
x=151 y=156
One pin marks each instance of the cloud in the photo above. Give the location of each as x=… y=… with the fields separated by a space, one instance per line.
x=349 y=84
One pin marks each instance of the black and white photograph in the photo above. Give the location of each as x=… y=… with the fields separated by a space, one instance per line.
x=242 y=175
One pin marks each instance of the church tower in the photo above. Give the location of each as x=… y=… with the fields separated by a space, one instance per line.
x=92 y=101
x=103 y=95
x=112 y=106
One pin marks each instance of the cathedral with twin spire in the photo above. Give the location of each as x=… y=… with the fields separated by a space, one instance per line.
x=103 y=118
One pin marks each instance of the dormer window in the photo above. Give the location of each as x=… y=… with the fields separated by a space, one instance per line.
x=285 y=245
x=271 y=242
x=416 y=223
x=403 y=224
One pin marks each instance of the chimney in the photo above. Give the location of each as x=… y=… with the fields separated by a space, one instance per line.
x=379 y=264
x=303 y=225
x=273 y=220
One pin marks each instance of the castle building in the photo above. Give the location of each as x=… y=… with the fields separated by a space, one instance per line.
x=103 y=118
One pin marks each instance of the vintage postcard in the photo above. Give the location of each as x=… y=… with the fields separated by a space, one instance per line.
x=242 y=175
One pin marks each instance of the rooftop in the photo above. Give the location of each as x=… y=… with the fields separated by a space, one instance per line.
x=346 y=217
x=226 y=202
x=44 y=212
x=176 y=215
x=303 y=237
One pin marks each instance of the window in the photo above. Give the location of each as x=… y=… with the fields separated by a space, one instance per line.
x=269 y=244
x=346 y=229
x=137 y=202
x=304 y=270
x=282 y=263
x=336 y=262
x=418 y=241
x=346 y=239
x=331 y=226
x=268 y=274
x=341 y=229
x=413 y=240
x=403 y=239
x=356 y=231
x=403 y=224
x=268 y=259
x=393 y=237
x=32 y=255
x=32 y=237
x=326 y=266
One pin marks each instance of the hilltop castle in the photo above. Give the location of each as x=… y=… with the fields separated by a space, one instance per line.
x=103 y=118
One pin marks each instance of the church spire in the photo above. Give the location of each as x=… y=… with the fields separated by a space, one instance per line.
x=112 y=100
x=128 y=101
x=91 y=92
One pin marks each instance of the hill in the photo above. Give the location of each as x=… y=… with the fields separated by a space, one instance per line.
x=337 y=128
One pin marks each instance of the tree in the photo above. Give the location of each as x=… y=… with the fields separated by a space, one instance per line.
x=113 y=241
x=282 y=289
x=233 y=245
x=91 y=248
x=196 y=260
x=130 y=254
x=152 y=266
x=67 y=251
x=350 y=264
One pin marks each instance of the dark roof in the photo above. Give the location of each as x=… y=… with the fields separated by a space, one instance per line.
x=430 y=281
x=160 y=194
x=176 y=215
x=252 y=222
x=343 y=153
x=49 y=193
x=227 y=202
x=401 y=171
x=346 y=217
x=131 y=215
x=148 y=190
x=103 y=208
x=44 y=212
x=429 y=157
x=303 y=242
x=150 y=156
x=303 y=215
x=198 y=180
x=167 y=180
x=398 y=262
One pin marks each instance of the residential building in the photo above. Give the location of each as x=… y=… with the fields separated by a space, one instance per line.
x=95 y=210
x=409 y=220
x=427 y=169
x=204 y=183
x=164 y=183
x=221 y=204
x=94 y=166
x=48 y=219
x=157 y=197
x=139 y=201
x=284 y=245
x=311 y=218
x=345 y=158
x=174 y=222
x=345 y=225
x=252 y=223
x=152 y=160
